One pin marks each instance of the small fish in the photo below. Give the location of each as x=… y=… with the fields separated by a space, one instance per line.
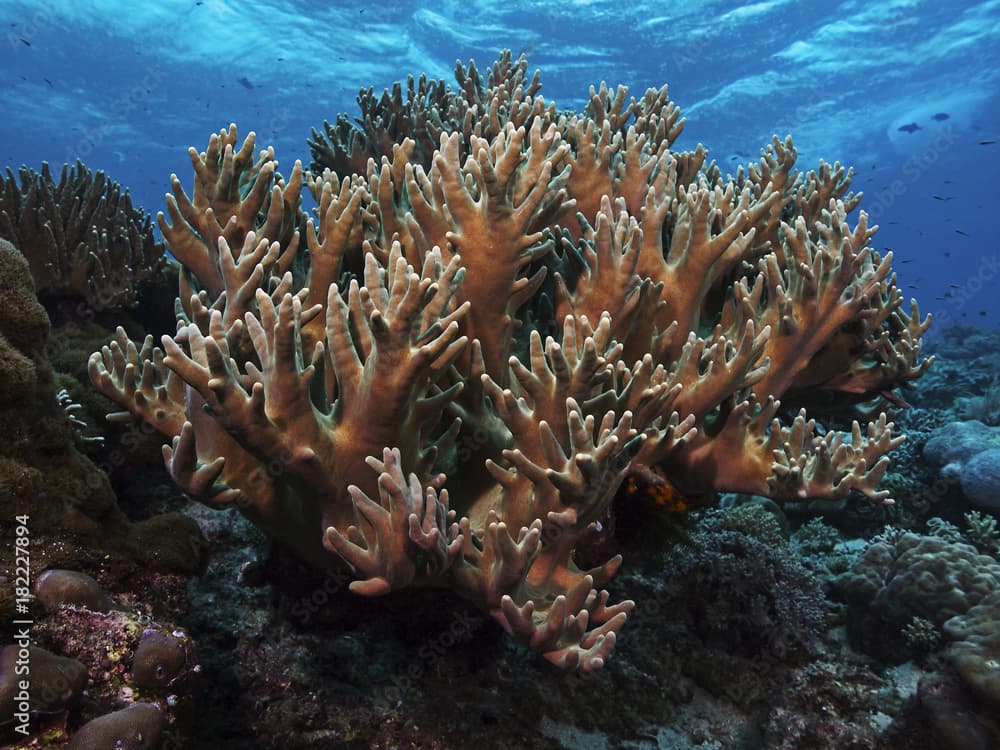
x=983 y=313
x=947 y=254
x=986 y=143
x=942 y=197
x=964 y=234
x=906 y=260
x=955 y=286
x=244 y=82
x=909 y=128
x=941 y=116
x=48 y=82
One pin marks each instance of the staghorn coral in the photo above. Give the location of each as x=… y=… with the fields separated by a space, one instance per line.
x=983 y=532
x=980 y=531
x=81 y=235
x=426 y=111
x=496 y=314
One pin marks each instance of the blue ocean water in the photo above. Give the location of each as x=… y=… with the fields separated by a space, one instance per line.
x=906 y=91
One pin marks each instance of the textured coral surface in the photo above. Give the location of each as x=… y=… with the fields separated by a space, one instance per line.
x=81 y=235
x=497 y=312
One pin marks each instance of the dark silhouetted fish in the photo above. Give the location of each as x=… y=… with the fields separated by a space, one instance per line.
x=941 y=116
x=244 y=82
x=986 y=143
x=942 y=197
x=964 y=234
x=909 y=128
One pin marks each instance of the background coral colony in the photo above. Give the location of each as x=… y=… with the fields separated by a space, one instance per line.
x=847 y=79
x=503 y=395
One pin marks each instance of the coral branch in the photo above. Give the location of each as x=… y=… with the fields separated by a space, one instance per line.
x=498 y=312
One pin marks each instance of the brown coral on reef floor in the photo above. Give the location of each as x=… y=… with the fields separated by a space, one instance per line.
x=73 y=513
x=497 y=313
x=81 y=235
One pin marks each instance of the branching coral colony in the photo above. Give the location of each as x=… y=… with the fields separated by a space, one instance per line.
x=80 y=235
x=499 y=311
